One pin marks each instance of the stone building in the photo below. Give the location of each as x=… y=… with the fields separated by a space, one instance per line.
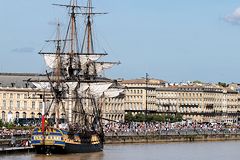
x=19 y=99
x=196 y=102
x=201 y=103
x=139 y=97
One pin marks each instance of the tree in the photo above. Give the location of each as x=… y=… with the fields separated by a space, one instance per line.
x=178 y=117
x=9 y=125
x=158 y=118
x=222 y=84
x=129 y=117
x=197 y=81
x=139 y=117
x=149 y=118
x=1 y=123
x=169 y=118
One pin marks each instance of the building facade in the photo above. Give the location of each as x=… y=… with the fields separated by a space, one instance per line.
x=205 y=103
x=196 y=102
x=19 y=99
x=139 y=97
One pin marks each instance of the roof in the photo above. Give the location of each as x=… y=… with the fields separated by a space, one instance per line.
x=143 y=81
x=18 y=80
x=198 y=89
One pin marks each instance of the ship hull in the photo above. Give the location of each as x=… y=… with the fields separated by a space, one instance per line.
x=69 y=148
x=44 y=149
x=82 y=148
x=56 y=141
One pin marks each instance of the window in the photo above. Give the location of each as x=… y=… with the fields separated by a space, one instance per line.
x=39 y=115
x=10 y=116
x=11 y=105
x=11 y=95
x=18 y=96
x=3 y=116
x=17 y=115
x=24 y=115
x=40 y=105
x=33 y=105
x=18 y=105
x=4 y=95
x=33 y=115
x=4 y=104
x=25 y=105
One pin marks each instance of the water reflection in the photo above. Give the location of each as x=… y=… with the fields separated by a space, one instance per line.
x=82 y=156
x=172 y=151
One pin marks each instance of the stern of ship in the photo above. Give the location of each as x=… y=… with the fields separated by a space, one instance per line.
x=48 y=141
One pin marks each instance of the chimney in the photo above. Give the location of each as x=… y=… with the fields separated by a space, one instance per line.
x=13 y=84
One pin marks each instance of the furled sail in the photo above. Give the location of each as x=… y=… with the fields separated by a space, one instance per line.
x=99 y=67
x=113 y=92
x=42 y=85
x=95 y=89
x=72 y=85
x=51 y=59
x=103 y=65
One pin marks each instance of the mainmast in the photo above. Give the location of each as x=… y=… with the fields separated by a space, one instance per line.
x=88 y=30
x=88 y=43
x=77 y=75
x=72 y=35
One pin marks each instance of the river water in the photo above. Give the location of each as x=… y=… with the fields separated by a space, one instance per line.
x=229 y=150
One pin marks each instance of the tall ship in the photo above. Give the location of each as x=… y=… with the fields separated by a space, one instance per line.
x=74 y=88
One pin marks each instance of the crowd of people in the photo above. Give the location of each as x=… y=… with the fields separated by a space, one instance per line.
x=137 y=128
x=141 y=128
x=8 y=133
x=17 y=137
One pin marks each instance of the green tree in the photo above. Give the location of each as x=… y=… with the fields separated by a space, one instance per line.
x=129 y=117
x=9 y=125
x=139 y=117
x=222 y=84
x=178 y=117
x=197 y=81
x=1 y=123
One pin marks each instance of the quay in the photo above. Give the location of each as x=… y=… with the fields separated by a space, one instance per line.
x=168 y=139
x=157 y=137
x=14 y=150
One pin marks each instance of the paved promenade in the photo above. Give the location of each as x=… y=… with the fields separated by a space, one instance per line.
x=142 y=129
x=141 y=132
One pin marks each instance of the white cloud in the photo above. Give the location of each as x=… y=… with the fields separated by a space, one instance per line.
x=234 y=17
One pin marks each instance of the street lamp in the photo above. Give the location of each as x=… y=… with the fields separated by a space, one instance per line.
x=146 y=83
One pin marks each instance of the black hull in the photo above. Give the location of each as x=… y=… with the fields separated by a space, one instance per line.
x=49 y=150
x=83 y=148
x=69 y=148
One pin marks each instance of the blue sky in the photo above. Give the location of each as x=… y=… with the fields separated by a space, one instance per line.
x=169 y=39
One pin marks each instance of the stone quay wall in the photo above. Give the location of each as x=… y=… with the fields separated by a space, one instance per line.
x=119 y=139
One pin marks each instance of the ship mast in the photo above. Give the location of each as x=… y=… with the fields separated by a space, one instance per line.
x=73 y=38
x=81 y=68
x=56 y=81
x=89 y=28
